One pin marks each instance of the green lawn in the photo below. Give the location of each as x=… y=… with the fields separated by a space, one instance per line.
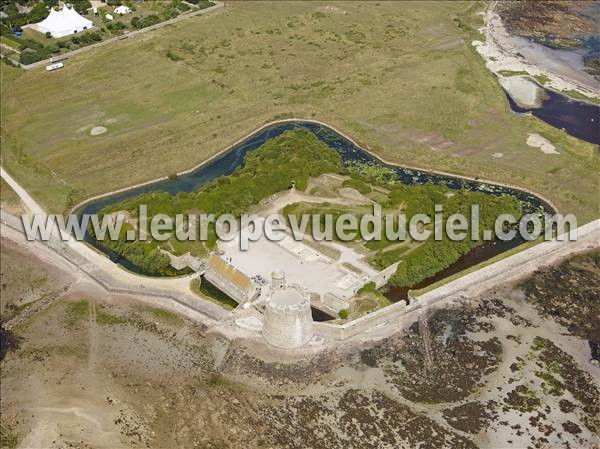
x=401 y=78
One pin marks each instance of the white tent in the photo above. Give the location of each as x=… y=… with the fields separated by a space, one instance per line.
x=64 y=22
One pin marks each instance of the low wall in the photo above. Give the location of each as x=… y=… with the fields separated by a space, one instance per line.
x=334 y=303
x=384 y=275
x=212 y=312
x=506 y=270
x=365 y=322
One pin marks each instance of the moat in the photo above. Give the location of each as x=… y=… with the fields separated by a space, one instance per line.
x=227 y=162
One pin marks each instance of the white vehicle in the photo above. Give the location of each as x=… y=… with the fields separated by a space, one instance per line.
x=122 y=10
x=58 y=65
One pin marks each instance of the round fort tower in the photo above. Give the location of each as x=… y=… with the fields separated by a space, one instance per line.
x=288 y=318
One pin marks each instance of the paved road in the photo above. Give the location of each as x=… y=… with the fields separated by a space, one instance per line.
x=132 y=34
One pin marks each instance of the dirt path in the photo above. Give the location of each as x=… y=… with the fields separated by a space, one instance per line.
x=294 y=196
x=37 y=307
x=93 y=338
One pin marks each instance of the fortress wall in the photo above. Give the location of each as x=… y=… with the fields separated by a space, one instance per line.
x=365 y=322
x=509 y=269
x=288 y=328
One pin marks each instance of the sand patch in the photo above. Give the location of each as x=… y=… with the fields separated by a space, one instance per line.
x=331 y=8
x=523 y=91
x=97 y=130
x=537 y=141
x=503 y=52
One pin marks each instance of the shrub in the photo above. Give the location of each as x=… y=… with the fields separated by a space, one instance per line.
x=95 y=36
x=81 y=6
x=170 y=13
x=48 y=35
x=8 y=341
x=343 y=314
x=115 y=26
x=37 y=13
x=29 y=56
x=9 y=62
x=359 y=185
x=173 y=56
x=28 y=43
x=138 y=23
x=295 y=154
x=367 y=288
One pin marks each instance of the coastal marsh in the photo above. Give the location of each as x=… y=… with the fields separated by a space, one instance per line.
x=402 y=79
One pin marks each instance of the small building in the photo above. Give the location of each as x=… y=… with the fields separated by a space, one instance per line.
x=229 y=280
x=63 y=23
x=122 y=9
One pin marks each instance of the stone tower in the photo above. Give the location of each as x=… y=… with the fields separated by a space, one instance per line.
x=278 y=280
x=288 y=317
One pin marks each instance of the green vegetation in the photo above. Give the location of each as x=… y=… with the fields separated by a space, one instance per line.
x=8 y=438
x=359 y=185
x=146 y=256
x=343 y=314
x=166 y=316
x=539 y=343
x=202 y=4
x=551 y=384
x=433 y=256
x=238 y=72
x=80 y=311
x=420 y=260
x=37 y=46
x=579 y=96
x=293 y=156
x=373 y=172
x=144 y=22
x=173 y=57
x=77 y=311
x=369 y=287
x=508 y=73
x=368 y=299
x=108 y=319
x=9 y=198
x=542 y=79
x=473 y=268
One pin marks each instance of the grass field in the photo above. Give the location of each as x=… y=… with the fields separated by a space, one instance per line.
x=400 y=77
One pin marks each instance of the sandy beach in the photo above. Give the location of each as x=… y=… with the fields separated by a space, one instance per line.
x=505 y=53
